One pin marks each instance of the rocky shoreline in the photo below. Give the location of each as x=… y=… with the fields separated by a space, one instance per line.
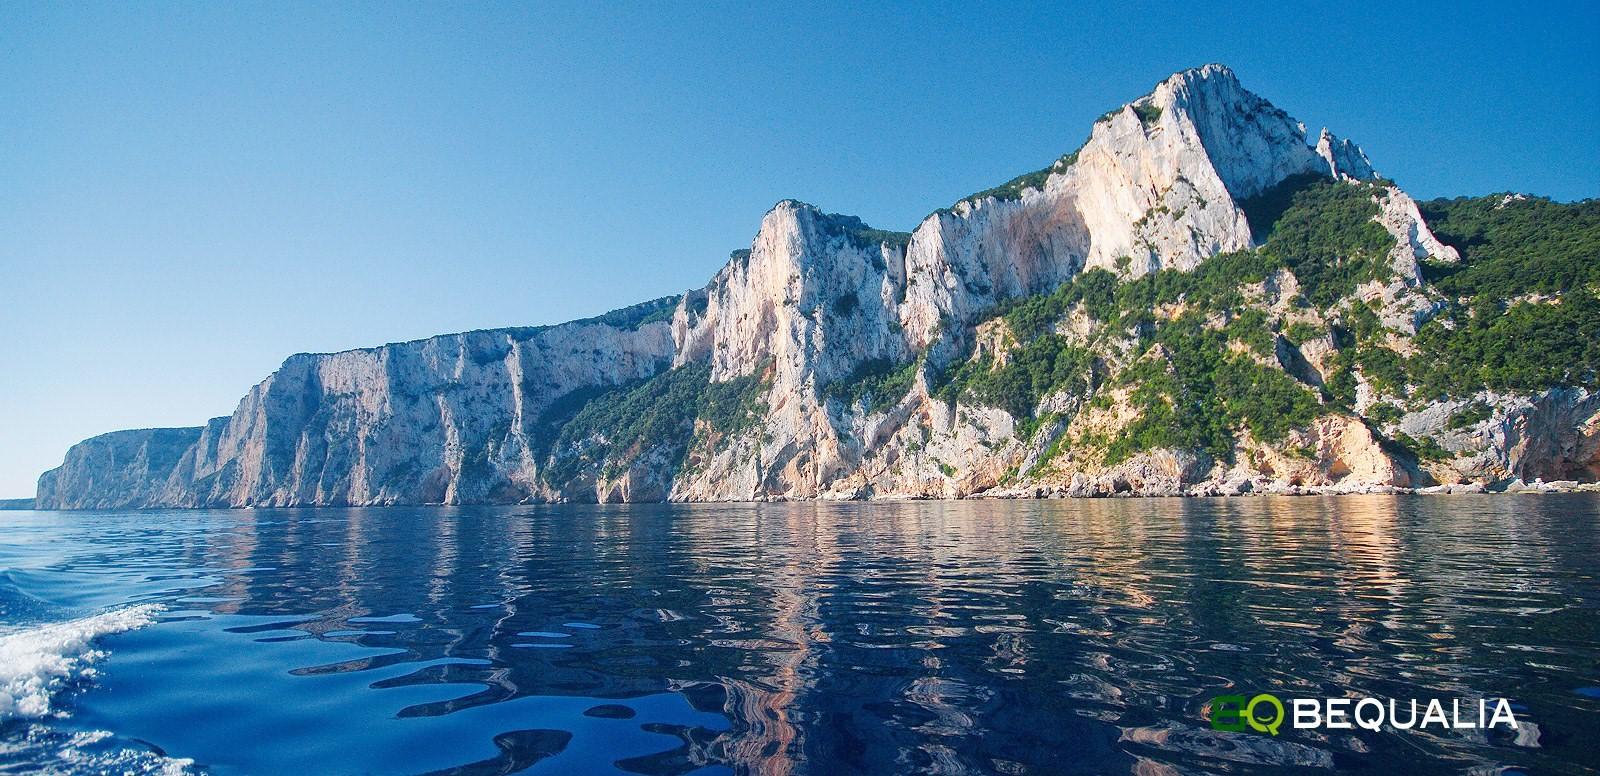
x=1259 y=487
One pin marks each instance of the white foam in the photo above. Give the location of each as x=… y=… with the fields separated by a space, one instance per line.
x=42 y=750
x=78 y=758
x=36 y=662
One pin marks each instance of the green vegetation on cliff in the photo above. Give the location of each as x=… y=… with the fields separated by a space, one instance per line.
x=1194 y=392
x=1527 y=346
x=1012 y=189
x=1522 y=313
x=1039 y=367
x=658 y=415
x=1204 y=365
x=635 y=316
x=1319 y=230
x=1514 y=246
x=875 y=384
x=1327 y=238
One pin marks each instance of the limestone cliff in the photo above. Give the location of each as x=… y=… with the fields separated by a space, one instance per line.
x=1074 y=331
x=122 y=468
x=459 y=418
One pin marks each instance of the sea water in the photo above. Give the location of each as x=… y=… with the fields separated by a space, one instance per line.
x=938 y=637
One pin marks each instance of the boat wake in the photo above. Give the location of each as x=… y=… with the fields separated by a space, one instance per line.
x=40 y=662
x=39 y=749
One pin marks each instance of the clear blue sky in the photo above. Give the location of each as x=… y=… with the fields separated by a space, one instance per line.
x=190 y=192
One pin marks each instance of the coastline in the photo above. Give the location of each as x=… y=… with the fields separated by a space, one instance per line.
x=1243 y=490
x=1278 y=488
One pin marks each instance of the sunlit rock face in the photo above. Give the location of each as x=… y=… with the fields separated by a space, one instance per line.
x=811 y=296
x=1156 y=186
x=820 y=300
x=449 y=419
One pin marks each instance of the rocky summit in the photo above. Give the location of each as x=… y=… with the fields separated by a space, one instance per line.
x=1203 y=299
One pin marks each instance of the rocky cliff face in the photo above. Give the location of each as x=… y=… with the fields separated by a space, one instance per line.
x=833 y=360
x=458 y=418
x=122 y=468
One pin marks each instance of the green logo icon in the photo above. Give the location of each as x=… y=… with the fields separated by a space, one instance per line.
x=1232 y=713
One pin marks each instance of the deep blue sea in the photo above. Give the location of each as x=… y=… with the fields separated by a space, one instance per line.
x=926 y=637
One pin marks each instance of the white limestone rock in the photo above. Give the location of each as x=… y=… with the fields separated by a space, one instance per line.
x=449 y=419
x=1344 y=158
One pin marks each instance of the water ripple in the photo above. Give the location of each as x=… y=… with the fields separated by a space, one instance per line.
x=929 y=637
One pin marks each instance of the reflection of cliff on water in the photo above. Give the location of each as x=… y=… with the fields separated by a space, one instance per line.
x=939 y=636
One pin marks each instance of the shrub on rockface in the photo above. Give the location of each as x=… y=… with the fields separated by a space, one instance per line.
x=612 y=427
x=1195 y=391
x=1148 y=113
x=1040 y=367
x=1328 y=239
x=1493 y=334
x=1470 y=415
x=1511 y=247
x=875 y=383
